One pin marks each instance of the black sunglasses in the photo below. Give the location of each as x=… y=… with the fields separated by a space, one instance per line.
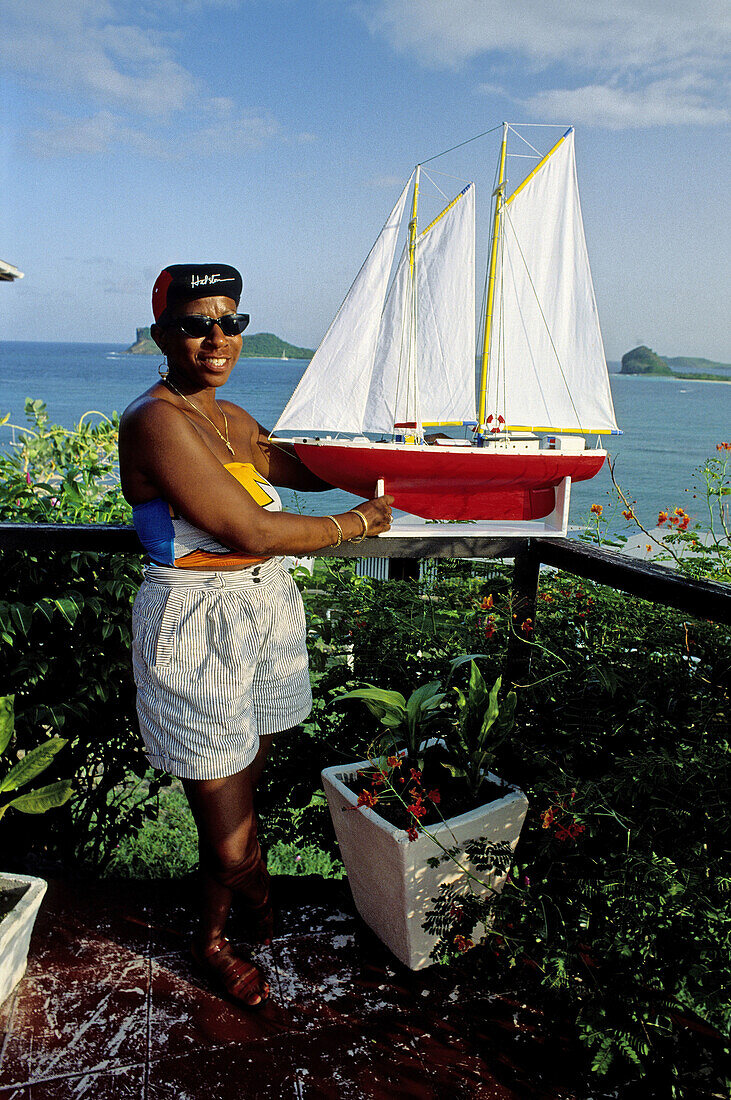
x=199 y=326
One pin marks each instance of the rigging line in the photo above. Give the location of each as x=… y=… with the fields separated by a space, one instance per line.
x=434 y=184
x=451 y=176
x=461 y=143
x=525 y=156
x=545 y=322
x=524 y=140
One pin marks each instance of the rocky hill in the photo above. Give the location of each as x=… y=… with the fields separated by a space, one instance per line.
x=644 y=360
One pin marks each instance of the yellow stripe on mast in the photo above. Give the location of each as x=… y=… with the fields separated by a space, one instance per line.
x=491 y=282
x=538 y=167
x=446 y=210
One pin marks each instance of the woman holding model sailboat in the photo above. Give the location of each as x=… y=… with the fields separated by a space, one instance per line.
x=218 y=626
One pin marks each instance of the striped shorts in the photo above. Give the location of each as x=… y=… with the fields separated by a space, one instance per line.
x=218 y=659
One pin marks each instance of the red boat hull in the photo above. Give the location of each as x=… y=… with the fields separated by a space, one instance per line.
x=446 y=483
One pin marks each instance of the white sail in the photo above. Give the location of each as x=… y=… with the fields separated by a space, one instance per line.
x=441 y=384
x=333 y=391
x=547 y=365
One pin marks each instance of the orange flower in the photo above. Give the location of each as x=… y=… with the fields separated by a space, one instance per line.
x=648 y=548
x=628 y=513
x=487 y=603
x=662 y=518
x=527 y=626
x=597 y=509
x=365 y=798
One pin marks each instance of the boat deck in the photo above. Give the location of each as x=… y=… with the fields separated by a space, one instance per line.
x=110 y=1007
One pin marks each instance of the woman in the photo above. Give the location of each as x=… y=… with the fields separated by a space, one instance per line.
x=218 y=625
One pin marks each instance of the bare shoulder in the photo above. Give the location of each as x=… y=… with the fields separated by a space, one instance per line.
x=148 y=415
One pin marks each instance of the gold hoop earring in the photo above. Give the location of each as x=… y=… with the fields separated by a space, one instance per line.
x=162 y=370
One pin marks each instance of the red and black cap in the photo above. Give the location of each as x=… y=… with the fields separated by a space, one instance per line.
x=186 y=282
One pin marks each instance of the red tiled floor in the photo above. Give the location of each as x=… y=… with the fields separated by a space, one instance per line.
x=111 y=1006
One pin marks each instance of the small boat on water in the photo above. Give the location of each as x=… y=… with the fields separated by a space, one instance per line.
x=398 y=362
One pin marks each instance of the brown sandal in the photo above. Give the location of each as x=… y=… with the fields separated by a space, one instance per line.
x=240 y=980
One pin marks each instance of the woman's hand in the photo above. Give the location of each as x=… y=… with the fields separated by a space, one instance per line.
x=378 y=514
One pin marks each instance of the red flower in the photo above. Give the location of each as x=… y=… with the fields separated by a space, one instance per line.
x=417 y=810
x=463 y=943
x=412 y=833
x=662 y=518
x=415 y=774
x=434 y=796
x=628 y=513
x=597 y=509
x=527 y=626
x=489 y=627
x=394 y=761
x=366 y=798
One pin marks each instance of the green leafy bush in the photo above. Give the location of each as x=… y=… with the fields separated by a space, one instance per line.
x=65 y=635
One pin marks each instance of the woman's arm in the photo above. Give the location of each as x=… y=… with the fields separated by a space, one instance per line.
x=162 y=454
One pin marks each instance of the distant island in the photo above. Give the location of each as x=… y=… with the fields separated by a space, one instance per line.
x=260 y=345
x=644 y=360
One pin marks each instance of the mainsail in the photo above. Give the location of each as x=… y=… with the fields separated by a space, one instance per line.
x=547 y=368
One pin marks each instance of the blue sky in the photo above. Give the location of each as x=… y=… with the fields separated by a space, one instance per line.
x=276 y=134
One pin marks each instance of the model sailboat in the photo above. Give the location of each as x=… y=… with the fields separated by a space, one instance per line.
x=399 y=359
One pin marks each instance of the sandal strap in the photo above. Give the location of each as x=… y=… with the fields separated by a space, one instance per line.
x=239 y=977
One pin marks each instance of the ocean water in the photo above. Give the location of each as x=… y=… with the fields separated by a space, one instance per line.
x=670 y=426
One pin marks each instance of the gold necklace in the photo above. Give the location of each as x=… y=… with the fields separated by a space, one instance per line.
x=224 y=438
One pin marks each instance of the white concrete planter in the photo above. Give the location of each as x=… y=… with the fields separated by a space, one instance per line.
x=16 y=928
x=392 y=884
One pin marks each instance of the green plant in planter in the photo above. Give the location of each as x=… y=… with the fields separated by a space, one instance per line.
x=481 y=725
x=405 y=719
x=466 y=744
x=31 y=765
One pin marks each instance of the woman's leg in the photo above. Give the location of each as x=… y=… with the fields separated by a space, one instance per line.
x=230 y=863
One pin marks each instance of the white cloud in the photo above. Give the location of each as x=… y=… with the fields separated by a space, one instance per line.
x=662 y=103
x=613 y=32
x=79 y=47
x=91 y=135
x=120 y=84
x=652 y=62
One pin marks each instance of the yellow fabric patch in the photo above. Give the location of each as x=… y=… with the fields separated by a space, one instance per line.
x=256 y=484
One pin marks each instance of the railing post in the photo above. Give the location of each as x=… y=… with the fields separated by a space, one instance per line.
x=526 y=571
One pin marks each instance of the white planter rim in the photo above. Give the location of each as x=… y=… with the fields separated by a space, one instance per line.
x=337 y=773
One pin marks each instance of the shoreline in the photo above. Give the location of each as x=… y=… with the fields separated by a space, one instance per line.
x=667 y=378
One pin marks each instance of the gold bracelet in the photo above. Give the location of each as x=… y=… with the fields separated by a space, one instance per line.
x=340 y=531
x=364 y=521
